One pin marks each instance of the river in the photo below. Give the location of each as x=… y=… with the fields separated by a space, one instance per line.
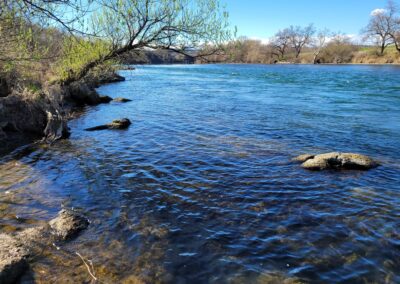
x=201 y=187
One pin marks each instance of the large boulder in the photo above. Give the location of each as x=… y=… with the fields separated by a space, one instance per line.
x=336 y=160
x=115 y=124
x=82 y=94
x=24 y=113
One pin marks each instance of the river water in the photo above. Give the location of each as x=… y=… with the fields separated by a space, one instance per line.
x=201 y=187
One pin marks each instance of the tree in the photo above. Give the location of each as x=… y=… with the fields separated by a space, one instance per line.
x=319 y=43
x=180 y=25
x=382 y=26
x=281 y=42
x=65 y=14
x=31 y=32
x=340 y=49
x=394 y=30
x=300 y=37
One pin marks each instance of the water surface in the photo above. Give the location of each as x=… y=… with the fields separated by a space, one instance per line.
x=201 y=189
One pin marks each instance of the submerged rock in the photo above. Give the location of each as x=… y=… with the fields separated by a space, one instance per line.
x=13 y=259
x=16 y=249
x=336 y=160
x=67 y=224
x=115 y=124
x=121 y=100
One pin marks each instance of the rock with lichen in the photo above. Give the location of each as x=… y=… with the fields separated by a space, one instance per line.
x=336 y=160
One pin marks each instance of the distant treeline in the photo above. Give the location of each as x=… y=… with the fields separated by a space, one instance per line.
x=380 y=44
x=151 y=56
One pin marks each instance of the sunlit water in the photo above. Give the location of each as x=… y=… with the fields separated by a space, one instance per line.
x=201 y=189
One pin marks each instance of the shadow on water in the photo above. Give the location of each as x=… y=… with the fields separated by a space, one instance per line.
x=201 y=188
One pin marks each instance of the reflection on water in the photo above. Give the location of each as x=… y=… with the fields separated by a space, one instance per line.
x=201 y=188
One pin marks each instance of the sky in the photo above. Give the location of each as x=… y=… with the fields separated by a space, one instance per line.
x=261 y=19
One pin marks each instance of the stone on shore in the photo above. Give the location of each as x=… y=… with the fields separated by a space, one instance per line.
x=67 y=224
x=121 y=100
x=115 y=124
x=336 y=160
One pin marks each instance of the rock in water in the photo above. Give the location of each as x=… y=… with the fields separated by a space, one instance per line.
x=105 y=99
x=16 y=249
x=303 y=158
x=336 y=160
x=121 y=100
x=115 y=124
x=13 y=259
x=67 y=224
x=120 y=124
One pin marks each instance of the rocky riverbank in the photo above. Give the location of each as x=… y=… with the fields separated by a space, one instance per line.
x=26 y=115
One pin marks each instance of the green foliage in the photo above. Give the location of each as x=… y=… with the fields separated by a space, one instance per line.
x=78 y=53
x=33 y=87
x=65 y=40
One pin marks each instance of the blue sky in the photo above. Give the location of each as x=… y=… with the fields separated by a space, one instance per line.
x=262 y=18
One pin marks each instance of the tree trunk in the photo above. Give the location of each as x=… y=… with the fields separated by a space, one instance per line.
x=396 y=44
x=383 y=45
x=298 y=51
x=315 y=57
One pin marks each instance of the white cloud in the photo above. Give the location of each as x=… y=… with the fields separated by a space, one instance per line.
x=377 y=12
x=263 y=40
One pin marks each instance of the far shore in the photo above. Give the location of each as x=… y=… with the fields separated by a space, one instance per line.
x=269 y=64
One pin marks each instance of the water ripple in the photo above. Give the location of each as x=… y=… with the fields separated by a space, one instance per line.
x=201 y=187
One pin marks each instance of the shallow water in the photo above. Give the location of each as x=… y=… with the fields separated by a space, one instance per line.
x=201 y=189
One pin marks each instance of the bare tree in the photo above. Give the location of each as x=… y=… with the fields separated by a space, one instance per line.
x=394 y=29
x=280 y=43
x=67 y=15
x=319 y=43
x=300 y=37
x=382 y=27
